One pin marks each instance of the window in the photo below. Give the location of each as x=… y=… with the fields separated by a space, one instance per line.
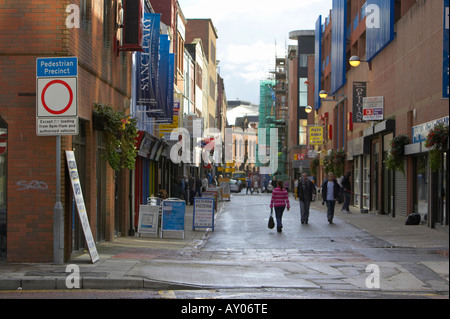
x=366 y=181
x=356 y=184
x=302 y=132
x=303 y=60
x=212 y=88
x=213 y=52
x=85 y=13
x=303 y=93
x=107 y=14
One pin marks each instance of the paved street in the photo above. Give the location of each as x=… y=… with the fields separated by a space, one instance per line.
x=242 y=258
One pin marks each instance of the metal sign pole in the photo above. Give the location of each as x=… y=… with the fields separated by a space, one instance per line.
x=58 y=211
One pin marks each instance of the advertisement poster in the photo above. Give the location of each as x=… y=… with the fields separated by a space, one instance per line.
x=373 y=108
x=203 y=213
x=81 y=208
x=148 y=220
x=173 y=212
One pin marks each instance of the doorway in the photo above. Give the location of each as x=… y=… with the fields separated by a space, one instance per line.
x=101 y=188
x=3 y=186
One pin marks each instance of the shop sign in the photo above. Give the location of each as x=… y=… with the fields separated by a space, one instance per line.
x=315 y=135
x=373 y=108
x=420 y=132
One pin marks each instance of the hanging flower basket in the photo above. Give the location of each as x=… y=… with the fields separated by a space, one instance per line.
x=314 y=164
x=120 y=133
x=396 y=157
x=437 y=140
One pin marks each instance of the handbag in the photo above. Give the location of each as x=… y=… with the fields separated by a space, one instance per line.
x=271 y=224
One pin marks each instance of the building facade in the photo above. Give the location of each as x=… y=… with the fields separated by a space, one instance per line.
x=28 y=178
x=399 y=89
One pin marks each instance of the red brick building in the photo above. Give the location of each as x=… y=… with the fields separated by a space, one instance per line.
x=29 y=30
x=407 y=72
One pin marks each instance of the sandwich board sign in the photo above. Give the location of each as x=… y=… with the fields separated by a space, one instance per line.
x=173 y=212
x=148 y=220
x=57 y=96
x=203 y=213
x=81 y=208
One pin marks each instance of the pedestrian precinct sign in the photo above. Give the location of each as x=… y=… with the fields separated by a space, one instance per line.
x=57 y=96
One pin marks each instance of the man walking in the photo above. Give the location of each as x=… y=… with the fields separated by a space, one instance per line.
x=249 y=185
x=347 y=187
x=306 y=192
x=330 y=193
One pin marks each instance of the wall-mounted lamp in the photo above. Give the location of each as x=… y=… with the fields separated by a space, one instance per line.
x=308 y=109
x=355 y=61
x=324 y=94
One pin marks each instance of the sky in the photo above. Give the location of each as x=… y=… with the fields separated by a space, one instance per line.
x=251 y=33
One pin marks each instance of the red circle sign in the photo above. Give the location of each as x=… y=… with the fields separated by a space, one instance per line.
x=70 y=97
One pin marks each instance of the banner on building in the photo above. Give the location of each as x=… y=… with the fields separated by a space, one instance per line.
x=359 y=93
x=315 y=134
x=146 y=85
x=165 y=81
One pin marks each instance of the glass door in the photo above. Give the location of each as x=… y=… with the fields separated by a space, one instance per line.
x=3 y=185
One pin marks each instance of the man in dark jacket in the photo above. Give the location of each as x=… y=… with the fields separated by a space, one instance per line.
x=347 y=187
x=330 y=193
x=306 y=192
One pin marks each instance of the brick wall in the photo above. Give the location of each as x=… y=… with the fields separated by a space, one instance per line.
x=31 y=29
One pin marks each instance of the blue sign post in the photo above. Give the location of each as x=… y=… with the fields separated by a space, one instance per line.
x=57 y=67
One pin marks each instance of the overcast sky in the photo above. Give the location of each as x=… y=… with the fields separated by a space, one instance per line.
x=248 y=31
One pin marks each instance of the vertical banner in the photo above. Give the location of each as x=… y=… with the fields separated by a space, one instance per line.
x=445 y=73
x=147 y=66
x=163 y=69
x=338 y=44
x=359 y=93
x=318 y=63
x=81 y=208
x=380 y=22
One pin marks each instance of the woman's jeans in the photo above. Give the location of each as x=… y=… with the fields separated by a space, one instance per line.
x=279 y=215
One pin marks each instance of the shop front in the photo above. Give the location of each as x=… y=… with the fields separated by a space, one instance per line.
x=3 y=185
x=429 y=189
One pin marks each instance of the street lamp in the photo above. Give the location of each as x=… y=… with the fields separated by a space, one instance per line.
x=355 y=61
x=308 y=109
x=324 y=94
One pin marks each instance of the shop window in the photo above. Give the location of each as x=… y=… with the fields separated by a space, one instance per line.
x=3 y=185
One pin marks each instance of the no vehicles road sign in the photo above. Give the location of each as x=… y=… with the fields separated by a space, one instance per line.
x=57 y=96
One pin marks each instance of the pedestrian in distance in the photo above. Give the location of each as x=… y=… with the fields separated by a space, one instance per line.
x=306 y=192
x=249 y=185
x=330 y=193
x=198 y=187
x=347 y=188
x=279 y=201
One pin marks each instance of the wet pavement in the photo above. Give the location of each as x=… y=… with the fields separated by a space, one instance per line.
x=242 y=253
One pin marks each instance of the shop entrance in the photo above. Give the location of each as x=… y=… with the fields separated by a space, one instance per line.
x=3 y=185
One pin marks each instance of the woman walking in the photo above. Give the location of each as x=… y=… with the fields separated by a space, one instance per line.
x=280 y=200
